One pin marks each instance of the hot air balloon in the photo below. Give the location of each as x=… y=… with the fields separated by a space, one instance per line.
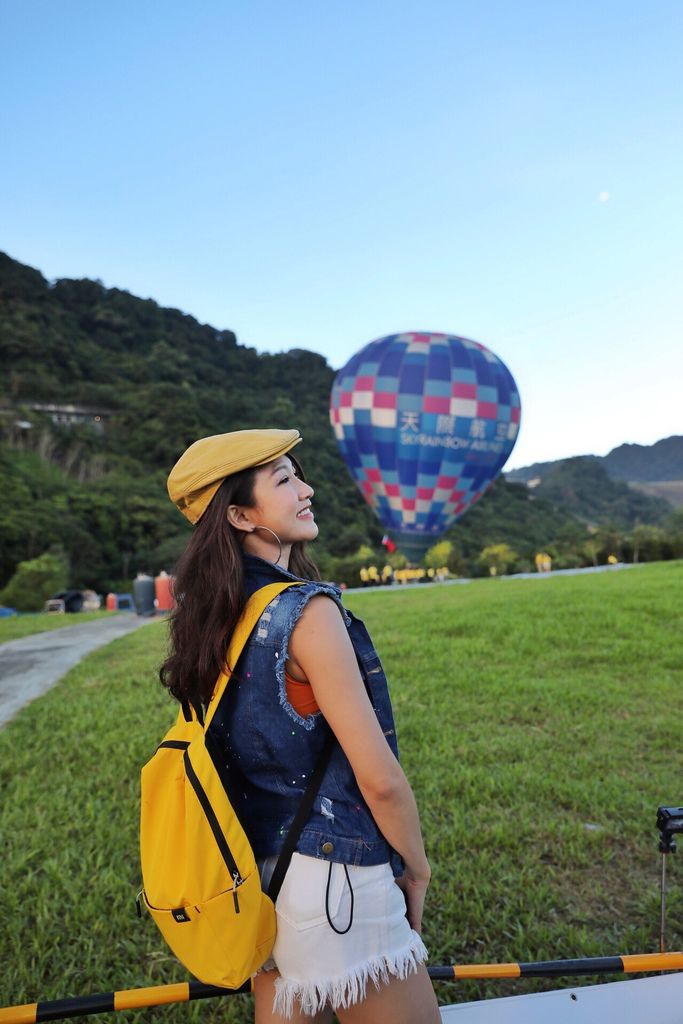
x=425 y=422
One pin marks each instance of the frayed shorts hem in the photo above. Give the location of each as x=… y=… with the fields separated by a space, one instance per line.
x=338 y=928
x=350 y=987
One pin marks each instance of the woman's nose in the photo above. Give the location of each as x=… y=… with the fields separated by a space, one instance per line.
x=306 y=491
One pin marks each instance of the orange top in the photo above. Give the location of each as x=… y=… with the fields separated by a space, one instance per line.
x=300 y=696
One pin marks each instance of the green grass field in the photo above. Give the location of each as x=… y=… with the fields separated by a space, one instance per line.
x=16 y=626
x=539 y=722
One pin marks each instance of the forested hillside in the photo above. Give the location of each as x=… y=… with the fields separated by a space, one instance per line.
x=160 y=380
x=584 y=489
x=147 y=381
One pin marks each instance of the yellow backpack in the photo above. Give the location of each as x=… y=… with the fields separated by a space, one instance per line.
x=201 y=882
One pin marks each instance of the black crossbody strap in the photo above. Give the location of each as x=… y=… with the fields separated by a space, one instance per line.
x=300 y=819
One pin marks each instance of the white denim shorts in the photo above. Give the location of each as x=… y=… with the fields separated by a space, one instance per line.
x=320 y=967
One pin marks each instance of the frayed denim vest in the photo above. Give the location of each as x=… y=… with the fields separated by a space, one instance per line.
x=267 y=751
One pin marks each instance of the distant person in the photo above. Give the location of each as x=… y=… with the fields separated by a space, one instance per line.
x=544 y=562
x=350 y=910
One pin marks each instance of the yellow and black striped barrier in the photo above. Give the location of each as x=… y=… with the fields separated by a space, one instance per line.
x=106 y=1002
x=161 y=995
x=638 y=963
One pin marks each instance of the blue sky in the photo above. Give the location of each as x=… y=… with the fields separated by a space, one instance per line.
x=318 y=175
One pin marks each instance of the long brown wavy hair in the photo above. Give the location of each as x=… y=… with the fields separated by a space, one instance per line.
x=209 y=592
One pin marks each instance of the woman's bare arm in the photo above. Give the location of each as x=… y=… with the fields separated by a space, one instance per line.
x=321 y=652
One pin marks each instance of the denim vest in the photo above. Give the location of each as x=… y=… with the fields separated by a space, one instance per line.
x=265 y=751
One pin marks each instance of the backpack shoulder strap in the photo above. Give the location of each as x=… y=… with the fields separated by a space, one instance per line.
x=300 y=818
x=254 y=609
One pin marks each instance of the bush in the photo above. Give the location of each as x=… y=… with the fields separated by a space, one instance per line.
x=568 y=560
x=35 y=581
x=347 y=569
x=499 y=559
x=438 y=554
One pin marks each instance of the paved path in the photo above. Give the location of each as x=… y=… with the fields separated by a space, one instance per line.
x=33 y=664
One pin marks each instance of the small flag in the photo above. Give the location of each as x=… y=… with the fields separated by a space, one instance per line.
x=388 y=543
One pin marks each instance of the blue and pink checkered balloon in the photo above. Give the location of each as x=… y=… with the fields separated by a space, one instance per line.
x=425 y=422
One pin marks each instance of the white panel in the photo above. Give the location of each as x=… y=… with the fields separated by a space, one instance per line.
x=383 y=417
x=362 y=399
x=657 y=1000
x=463 y=407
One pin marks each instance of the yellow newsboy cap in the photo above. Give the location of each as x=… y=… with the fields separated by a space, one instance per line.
x=201 y=469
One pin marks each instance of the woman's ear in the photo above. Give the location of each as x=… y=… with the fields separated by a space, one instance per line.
x=238 y=518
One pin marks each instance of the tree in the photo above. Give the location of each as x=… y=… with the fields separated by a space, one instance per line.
x=674 y=532
x=648 y=542
x=35 y=581
x=446 y=553
x=603 y=542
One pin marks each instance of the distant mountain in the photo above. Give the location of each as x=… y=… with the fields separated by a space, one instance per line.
x=632 y=463
x=632 y=484
x=647 y=463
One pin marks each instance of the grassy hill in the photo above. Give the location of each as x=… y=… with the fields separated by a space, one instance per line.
x=538 y=722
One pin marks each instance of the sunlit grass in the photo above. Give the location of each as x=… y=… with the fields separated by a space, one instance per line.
x=539 y=722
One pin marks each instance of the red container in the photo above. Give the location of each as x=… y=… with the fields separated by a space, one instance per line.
x=163 y=592
x=111 y=603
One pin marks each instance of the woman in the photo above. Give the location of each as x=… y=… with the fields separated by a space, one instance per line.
x=350 y=910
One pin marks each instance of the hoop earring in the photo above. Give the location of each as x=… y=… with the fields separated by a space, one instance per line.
x=279 y=542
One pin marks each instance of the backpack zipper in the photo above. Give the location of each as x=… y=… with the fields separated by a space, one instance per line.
x=218 y=835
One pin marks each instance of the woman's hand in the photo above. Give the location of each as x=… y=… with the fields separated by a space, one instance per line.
x=414 y=889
